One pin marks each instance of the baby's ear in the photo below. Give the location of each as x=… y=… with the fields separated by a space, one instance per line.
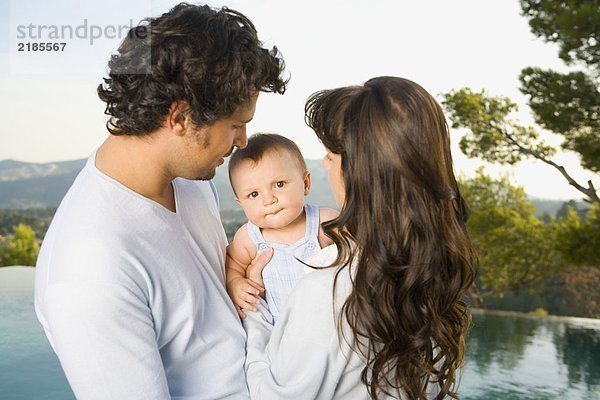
x=306 y=183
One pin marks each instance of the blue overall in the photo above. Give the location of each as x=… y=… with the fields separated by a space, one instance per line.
x=284 y=271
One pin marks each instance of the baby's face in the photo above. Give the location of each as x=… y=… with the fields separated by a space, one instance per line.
x=271 y=192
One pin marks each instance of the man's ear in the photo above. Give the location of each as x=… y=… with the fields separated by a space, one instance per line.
x=306 y=183
x=178 y=119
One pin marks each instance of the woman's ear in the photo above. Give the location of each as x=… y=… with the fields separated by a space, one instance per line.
x=306 y=183
x=178 y=119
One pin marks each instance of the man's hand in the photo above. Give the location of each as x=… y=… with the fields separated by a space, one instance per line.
x=254 y=270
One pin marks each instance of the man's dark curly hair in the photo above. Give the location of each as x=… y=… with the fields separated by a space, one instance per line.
x=209 y=58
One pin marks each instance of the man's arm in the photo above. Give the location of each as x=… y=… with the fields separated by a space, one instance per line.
x=104 y=337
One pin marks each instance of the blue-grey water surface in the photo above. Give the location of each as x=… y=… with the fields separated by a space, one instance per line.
x=509 y=357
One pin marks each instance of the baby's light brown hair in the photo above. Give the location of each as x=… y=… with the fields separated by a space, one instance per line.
x=261 y=143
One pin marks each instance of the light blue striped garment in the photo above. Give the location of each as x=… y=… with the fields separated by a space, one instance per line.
x=284 y=271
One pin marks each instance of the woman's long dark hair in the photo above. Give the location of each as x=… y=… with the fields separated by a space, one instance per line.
x=403 y=224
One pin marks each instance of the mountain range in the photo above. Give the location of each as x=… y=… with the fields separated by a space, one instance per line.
x=26 y=185
x=32 y=185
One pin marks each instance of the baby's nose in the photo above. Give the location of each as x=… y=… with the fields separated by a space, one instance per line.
x=269 y=199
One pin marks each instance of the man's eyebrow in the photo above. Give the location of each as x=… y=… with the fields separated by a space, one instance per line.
x=247 y=121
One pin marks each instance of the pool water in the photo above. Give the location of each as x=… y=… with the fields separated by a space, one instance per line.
x=509 y=356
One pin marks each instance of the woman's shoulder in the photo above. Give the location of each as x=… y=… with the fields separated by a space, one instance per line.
x=327 y=214
x=320 y=278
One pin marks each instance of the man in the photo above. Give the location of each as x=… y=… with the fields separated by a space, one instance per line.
x=130 y=278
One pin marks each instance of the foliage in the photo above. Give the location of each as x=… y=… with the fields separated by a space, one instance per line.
x=20 y=248
x=493 y=136
x=580 y=208
x=539 y=312
x=37 y=218
x=557 y=260
x=578 y=239
x=575 y=293
x=567 y=104
x=516 y=249
x=573 y=25
x=545 y=209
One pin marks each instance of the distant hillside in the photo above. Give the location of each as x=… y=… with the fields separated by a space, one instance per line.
x=11 y=170
x=30 y=185
x=545 y=207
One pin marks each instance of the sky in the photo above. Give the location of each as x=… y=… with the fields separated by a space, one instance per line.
x=50 y=110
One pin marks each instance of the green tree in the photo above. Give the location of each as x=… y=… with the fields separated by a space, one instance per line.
x=516 y=249
x=574 y=293
x=578 y=239
x=20 y=248
x=494 y=136
x=561 y=213
x=572 y=24
x=37 y=218
x=567 y=104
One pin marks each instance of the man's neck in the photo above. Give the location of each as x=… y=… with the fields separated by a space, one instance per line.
x=137 y=163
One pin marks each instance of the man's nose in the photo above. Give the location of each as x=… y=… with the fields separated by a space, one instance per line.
x=241 y=139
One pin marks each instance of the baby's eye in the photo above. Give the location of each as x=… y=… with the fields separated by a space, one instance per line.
x=253 y=195
x=280 y=184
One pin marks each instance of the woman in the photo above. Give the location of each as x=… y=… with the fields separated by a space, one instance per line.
x=387 y=318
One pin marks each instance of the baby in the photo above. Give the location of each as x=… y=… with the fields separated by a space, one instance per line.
x=269 y=179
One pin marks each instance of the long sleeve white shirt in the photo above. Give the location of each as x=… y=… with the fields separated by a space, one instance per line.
x=132 y=296
x=304 y=356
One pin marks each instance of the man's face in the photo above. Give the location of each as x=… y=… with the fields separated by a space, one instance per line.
x=206 y=148
x=271 y=191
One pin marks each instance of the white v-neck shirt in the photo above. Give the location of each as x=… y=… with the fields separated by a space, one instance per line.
x=132 y=296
